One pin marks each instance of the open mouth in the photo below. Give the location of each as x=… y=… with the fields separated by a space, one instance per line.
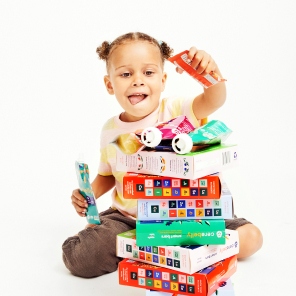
x=137 y=97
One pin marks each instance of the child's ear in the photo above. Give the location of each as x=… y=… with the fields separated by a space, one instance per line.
x=164 y=78
x=108 y=85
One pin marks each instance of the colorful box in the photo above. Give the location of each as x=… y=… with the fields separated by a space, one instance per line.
x=184 y=209
x=180 y=232
x=225 y=289
x=192 y=166
x=141 y=186
x=188 y=259
x=202 y=283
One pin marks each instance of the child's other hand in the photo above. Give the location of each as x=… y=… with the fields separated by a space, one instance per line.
x=90 y=226
x=201 y=61
x=79 y=203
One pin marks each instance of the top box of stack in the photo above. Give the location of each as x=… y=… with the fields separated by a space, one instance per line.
x=187 y=166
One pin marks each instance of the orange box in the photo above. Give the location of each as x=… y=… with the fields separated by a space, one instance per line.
x=142 y=186
x=202 y=283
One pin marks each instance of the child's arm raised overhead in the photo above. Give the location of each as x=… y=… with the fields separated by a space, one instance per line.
x=213 y=97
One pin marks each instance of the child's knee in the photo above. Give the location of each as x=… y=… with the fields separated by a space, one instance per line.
x=87 y=255
x=251 y=240
x=256 y=236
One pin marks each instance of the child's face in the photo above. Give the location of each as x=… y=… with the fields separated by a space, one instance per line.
x=136 y=78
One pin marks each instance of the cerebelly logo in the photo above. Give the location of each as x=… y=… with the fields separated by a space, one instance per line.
x=219 y=234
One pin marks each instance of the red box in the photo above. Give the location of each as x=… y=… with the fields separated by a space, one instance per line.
x=202 y=283
x=141 y=186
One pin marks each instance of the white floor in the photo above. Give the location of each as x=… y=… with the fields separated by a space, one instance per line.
x=53 y=103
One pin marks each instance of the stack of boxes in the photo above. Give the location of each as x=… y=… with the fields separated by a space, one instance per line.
x=180 y=245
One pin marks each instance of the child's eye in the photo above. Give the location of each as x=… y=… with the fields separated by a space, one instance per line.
x=149 y=73
x=126 y=74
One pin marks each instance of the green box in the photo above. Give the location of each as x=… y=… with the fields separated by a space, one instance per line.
x=180 y=232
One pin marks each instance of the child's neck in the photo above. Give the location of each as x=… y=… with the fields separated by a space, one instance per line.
x=125 y=118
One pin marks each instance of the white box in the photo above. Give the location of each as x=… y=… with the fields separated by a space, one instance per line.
x=189 y=259
x=185 y=209
x=192 y=165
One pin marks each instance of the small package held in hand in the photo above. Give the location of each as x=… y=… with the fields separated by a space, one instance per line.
x=181 y=61
x=82 y=172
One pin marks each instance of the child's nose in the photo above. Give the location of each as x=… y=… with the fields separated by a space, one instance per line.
x=138 y=81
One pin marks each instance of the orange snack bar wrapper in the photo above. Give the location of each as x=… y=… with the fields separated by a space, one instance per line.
x=181 y=61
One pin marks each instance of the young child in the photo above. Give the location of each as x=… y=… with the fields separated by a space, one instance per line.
x=135 y=75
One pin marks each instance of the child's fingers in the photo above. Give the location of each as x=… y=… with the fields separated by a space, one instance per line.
x=211 y=67
x=81 y=211
x=179 y=70
x=90 y=226
x=191 y=53
x=79 y=203
x=203 y=64
x=77 y=196
x=200 y=61
x=81 y=214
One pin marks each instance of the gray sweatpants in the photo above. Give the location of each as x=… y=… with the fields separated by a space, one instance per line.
x=92 y=252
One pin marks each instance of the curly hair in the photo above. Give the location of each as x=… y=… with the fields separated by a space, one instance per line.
x=105 y=49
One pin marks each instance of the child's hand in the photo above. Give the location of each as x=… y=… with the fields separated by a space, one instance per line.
x=79 y=203
x=201 y=61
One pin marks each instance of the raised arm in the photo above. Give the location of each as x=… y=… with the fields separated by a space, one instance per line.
x=213 y=97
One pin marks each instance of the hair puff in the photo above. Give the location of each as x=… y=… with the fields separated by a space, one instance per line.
x=103 y=50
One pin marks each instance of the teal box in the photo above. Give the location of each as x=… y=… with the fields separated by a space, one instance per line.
x=180 y=232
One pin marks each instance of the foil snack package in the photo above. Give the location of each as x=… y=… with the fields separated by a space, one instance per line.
x=153 y=136
x=212 y=133
x=82 y=173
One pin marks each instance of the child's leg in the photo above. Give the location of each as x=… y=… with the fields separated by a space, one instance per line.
x=92 y=252
x=250 y=236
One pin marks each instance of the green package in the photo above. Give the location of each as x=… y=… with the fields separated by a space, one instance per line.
x=180 y=232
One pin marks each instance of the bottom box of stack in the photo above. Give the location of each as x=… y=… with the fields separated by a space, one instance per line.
x=188 y=259
x=202 y=283
x=225 y=289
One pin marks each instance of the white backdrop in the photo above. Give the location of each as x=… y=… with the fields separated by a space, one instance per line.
x=53 y=104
